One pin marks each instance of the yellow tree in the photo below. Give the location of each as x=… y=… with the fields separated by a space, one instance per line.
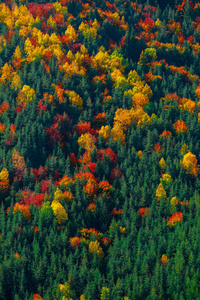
x=94 y=247
x=139 y=99
x=160 y=192
x=4 y=180
x=59 y=212
x=87 y=141
x=189 y=163
x=162 y=163
x=123 y=118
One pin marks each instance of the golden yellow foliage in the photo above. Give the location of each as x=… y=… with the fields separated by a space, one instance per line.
x=166 y=178
x=25 y=95
x=189 y=163
x=123 y=118
x=162 y=163
x=94 y=247
x=117 y=133
x=59 y=212
x=71 y=33
x=139 y=99
x=184 y=149
x=87 y=141
x=160 y=192
x=7 y=72
x=4 y=175
x=105 y=293
x=174 y=201
x=18 y=160
x=75 y=99
x=105 y=132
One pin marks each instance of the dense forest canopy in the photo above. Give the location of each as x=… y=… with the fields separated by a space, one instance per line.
x=99 y=149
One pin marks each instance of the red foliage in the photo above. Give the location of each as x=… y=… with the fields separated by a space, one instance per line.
x=144 y=211
x=35 y=229
x=12 y=138
x=36 y=200
x=9 y=35
x=44 y=186
x=111 y=43
x=59 y=19
x=76 y=47
x=48 y=56
x=34 y=42
x=54 y=133
x=73 y=160
x=41 y=10
x=115 y=212
x=105 y=241
x=157 y=148
x=60 y=131
x=115 y=174
x=56 y=176
x=17 y=63
x=92 y=167
x=122 y=41
x=109 y=152
x=190 y=39
x=39 y=174
x=40 y=107
x=4 y=107
x=85 y=127
x=18 y=109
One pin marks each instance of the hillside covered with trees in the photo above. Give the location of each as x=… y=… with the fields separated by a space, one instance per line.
x=99 y=150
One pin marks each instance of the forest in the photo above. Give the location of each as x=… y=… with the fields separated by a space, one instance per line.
x=99 y=150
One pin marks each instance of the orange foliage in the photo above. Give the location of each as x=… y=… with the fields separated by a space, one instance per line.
x=165 y=134
x=75 y=242
x=4 y=107
x=139 y=153
x=88 y=232
x=60 y=93
x=85 y=159
x=157 y=148
x=4 y=186
x=17 y=255
x=18 y=160
x=149 y=77
x=175 y=218
x=115 y=212
x=2 y=128
x=91 y=207
x=37 y=297
x=164 y=260
x=23 y=209
x=180 y=126
x=104 y=186
x=90 y=189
